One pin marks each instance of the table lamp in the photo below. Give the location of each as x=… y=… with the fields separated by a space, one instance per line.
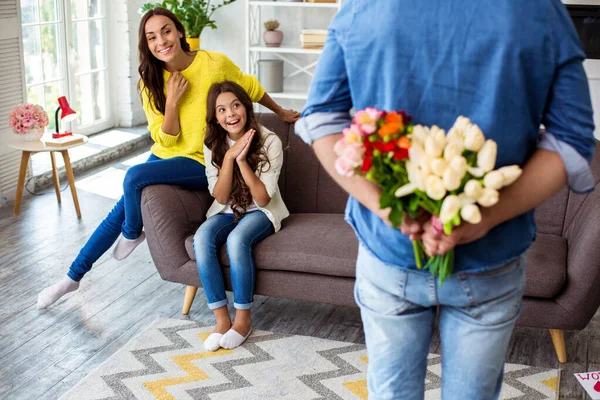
x=67 y=114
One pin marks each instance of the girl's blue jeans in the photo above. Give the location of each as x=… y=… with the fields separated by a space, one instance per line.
x=240 y=237
x=126 y=216
x=477 y=313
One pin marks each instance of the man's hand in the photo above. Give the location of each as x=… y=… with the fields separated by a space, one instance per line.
x=437 y=242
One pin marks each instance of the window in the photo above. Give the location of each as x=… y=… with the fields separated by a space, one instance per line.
x=65 y=54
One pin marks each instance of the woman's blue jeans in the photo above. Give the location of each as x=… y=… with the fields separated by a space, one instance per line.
x=240 y=237
x=126 y=216
x=477 y=313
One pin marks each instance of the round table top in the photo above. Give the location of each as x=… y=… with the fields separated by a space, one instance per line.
x=40 y=145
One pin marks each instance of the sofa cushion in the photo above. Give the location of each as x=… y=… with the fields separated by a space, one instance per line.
x=546 y=266
x=314 y=243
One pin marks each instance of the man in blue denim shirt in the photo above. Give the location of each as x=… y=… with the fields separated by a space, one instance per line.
x=508 y=65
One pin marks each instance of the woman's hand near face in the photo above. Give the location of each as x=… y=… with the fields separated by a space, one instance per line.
x=237 y=148
x=176 y=88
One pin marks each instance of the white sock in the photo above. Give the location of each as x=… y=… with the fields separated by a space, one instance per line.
x=125 y=246
x=52 y=293
x=212 y=343
x=231 y=339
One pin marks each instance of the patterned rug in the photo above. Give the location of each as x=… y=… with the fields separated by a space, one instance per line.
x=168 y=361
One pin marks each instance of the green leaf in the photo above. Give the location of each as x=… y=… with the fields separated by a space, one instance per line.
x=396 y=214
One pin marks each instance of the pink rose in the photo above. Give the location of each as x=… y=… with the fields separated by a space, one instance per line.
x=343 y=168
x=354 y=154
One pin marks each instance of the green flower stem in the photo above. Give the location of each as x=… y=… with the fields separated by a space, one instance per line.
x=448 y=228
x=417 y=251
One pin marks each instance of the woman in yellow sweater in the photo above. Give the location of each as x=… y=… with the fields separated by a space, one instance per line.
x=174 y=83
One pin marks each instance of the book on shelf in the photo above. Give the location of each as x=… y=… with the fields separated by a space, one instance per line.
x=313 y=34
x=312 y=46
x=65 y=140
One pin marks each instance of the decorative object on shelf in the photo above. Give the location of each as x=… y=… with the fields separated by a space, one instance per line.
x=313 y=38
x=28 y=121
x=272 y=36
x=270 y=75
x=67 y=114
x=195 y=15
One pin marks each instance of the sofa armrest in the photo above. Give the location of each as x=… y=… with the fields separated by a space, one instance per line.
x=581 y=295
x=170 y=215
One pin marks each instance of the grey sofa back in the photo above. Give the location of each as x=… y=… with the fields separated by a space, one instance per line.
x=304 y=184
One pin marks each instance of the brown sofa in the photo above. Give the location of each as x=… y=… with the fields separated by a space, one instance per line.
x=313 y=256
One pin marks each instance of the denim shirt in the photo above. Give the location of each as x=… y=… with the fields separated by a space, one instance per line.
x=508 y=65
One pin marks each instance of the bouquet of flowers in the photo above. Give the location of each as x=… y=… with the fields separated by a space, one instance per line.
x=25 y=117
x=418 y=167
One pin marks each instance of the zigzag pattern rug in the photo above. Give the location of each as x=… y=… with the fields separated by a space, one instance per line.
x=168 y=361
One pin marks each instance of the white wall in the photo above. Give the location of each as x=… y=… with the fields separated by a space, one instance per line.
x=592 y=68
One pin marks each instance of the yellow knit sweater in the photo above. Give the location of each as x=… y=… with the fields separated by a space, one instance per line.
x=206 y=69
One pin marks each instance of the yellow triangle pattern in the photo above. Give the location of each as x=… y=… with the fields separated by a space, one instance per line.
x=184 y=361
x=359 y=388
x=552 y=383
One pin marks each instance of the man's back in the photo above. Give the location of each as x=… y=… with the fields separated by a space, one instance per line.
x=509 y=65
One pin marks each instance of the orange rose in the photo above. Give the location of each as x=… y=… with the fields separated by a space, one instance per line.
x=403 y=143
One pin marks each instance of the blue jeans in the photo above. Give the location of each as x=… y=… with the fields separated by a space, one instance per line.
x=240 y=237
x=126 y=216
x=477 y=312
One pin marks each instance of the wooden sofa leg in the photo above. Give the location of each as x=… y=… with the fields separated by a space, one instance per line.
x=558 y=339
x=190 y=293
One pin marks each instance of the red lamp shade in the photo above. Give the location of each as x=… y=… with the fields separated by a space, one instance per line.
x=66 y=114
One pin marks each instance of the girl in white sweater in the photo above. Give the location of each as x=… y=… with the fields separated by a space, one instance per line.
x=243 y=162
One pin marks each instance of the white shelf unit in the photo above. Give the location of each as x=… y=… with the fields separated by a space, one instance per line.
x=255 y=49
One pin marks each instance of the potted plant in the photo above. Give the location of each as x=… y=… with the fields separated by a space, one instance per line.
x=272 y=36
x=195 y=15
x=29 y=121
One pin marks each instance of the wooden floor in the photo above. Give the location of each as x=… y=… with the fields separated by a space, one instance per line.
x=44 y=353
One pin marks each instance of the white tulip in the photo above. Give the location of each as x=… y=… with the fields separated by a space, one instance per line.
x=425 y=163
x=451 y=179
x=489 y=197
x=435 y=188
x=473 y=189
x=412 y=170
x=405 y=190
x=456 y=137
x=459 y=164
x=450 y=207
x=474 y=138
x=464 y=199
x=438 y=135
x=486 y=158
x=422 y=180
x=452 y=150
x=471 y=214
x=510 y=174
x=432 y=147
x=438 y=166
x=419 y=134
x=476 y=172
x=461 y=123
x=415 y=152
x=493 y=180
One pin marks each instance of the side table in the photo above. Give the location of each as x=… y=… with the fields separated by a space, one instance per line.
x=37 y=146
